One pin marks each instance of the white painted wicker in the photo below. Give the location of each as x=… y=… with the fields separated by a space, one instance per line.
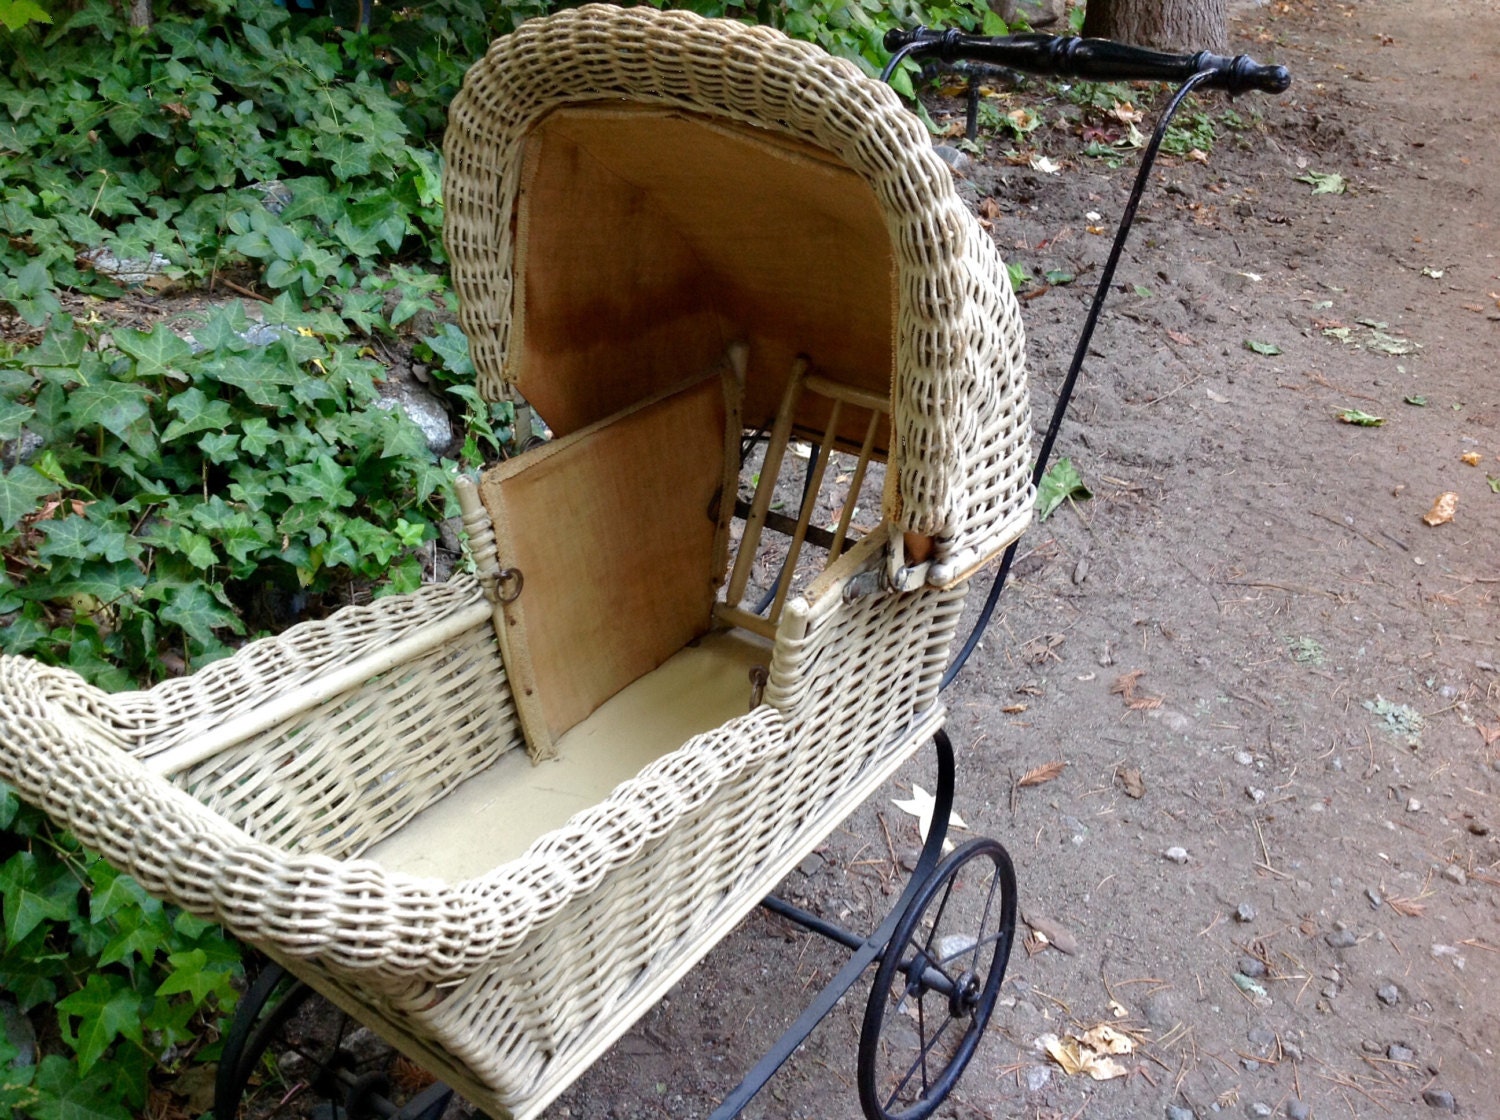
x=251 y=791
x=961 y=409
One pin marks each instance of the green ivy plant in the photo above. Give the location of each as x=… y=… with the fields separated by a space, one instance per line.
x=117 y=984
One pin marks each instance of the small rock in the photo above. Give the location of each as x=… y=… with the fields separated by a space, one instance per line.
x=957 y=161
x=1413 y=805
x=1177 y=1112
x=1398 y=1053
x=1259 y=1036
x=1253 y=967
x=1455 y=874
x=1037 y=1077
x=129 y=271
x=1250 y=1064
x=811 y=864
x=1081 y=569
x=1255 y=795
x=1374 y=896
x=1244 y=758
x=1244 y=912
x=909 y=858
x=1341 y=939
x=1291 y=1050
x=1388 y=994
x=1260 y=1108
x=1370 y=1046
x=16 y=1029
x=1176 y=855
x=1298 y=1110
x=423 y=407
x=1440 y=1099
x=1160 y=1011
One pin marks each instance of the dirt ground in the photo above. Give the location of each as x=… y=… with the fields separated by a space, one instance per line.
x=1247 y=645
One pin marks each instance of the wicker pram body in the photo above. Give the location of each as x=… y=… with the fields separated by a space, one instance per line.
x=283 y=791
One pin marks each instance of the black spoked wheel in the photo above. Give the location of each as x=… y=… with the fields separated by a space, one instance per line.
x=326 y=1066
x=937 y=983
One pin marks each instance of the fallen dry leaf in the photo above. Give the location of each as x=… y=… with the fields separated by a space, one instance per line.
x=1490 y=734
x=989 y=208
x=1471 y=457
x=921 y=805
x=1180 y=338
x=1117 y=1009
x=1124 y=687
x=1106 y=1040
x=1135 y=785
x=1075 y=1059
x=1043 y=773
x=1442 y=509
x=1056 y=935
x=1407 y=907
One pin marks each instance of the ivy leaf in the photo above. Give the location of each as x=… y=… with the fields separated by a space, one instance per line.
x=452 y=346
x=107 y=1008
x=194 y=609
x=224 y=328
x=21 y=488
x=13 y=418
x=1361 y=419
x=33 y=893
x=1324 y=182
x=191 y=974
x=113 y=891
x=113 y=405
x=1059 y=484
x=157 y=354
x=196 y=412
x=1270 y=349
x=64 y=1095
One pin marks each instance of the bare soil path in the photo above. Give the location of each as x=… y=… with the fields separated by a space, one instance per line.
x=1247 y=646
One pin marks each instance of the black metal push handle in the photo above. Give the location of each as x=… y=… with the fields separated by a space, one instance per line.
x=1103 y=60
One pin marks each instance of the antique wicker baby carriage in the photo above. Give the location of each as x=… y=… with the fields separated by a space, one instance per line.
x=496 y=819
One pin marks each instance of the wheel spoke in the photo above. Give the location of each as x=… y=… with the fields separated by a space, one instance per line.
x=920 y=1063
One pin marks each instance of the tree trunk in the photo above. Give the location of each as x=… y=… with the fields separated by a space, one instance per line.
x=1176 y=25
x=140 y=13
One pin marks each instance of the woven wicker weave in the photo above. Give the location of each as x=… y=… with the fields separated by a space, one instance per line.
x=251 y=791
x=961 y=409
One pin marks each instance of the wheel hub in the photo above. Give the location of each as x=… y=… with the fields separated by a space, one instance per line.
x=965 y=995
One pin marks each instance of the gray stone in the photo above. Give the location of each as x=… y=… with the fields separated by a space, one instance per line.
x=16 y=1029
x=22 y=449
x=1176 y=855
x=1298 y=1110
x=1440 y=1099
x=1253 y=967
x=1244 y=912
x=1374 y=896
x=1161 y=1011
x=450 y=533
x=1036 y=13
x=1341 y=939
x=124 y=270
x=1455 y=874
x=1037 y=1077
x=1177 y=1112
x=1259 y=1036
x=1398 y=1053
x=1259 y=1108
x=957 y=161
x=262 y=334
x=275 y=195
x=1250 y=1064
x=425 y=409
x=1388 y=994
